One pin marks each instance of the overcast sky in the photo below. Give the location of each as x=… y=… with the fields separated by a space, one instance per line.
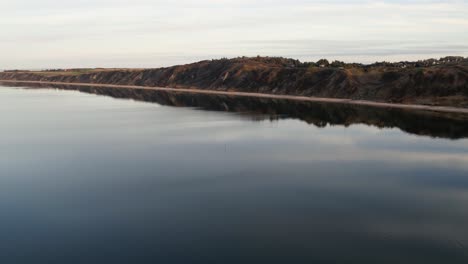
x=153 y=33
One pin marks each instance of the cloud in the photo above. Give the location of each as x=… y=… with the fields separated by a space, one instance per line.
x=102 y=31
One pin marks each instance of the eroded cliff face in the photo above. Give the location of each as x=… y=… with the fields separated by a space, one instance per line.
x=436 y=85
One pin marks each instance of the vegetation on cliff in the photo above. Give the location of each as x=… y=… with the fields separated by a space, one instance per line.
x=434 y=82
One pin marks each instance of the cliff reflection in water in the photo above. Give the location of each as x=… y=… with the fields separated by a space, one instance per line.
x=424 y=123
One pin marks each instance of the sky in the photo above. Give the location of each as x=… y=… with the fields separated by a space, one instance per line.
x=153 y=33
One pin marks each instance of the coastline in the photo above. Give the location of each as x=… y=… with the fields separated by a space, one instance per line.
x=447 y=109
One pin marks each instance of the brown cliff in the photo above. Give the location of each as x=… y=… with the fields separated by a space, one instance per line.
x=432 y=82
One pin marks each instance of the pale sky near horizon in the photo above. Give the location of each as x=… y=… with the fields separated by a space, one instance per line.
x=152 y=33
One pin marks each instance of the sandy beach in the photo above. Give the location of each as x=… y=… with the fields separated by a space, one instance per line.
x=261 y=95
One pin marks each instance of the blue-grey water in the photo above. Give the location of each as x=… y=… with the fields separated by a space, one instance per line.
x=87 y=178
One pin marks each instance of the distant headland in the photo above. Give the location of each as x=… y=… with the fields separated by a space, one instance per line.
x=434 y=82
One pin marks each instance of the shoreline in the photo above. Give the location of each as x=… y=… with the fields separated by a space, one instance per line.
x=447 y=109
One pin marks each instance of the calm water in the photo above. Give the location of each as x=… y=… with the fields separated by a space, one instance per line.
x=87 y=178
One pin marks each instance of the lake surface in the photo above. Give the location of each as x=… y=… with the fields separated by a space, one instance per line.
x=180 y=178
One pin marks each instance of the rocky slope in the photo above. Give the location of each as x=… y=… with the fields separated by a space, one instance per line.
x=434 y=83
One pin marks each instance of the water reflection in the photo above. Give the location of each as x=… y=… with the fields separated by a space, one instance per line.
x=433 y=124
x=88 y=179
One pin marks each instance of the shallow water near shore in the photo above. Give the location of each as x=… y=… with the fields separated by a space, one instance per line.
x=180 y=178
